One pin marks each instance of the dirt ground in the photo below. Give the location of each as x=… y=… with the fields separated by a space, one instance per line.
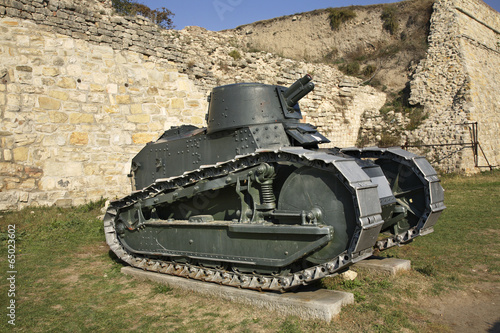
x=474 y=310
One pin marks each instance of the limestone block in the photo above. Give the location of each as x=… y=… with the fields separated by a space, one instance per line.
x=78 y=118
x=74 y=70
x=91 y=169
x=120 y=139
x=71 y=106
x=47 y=128
x=63 y=202
x=24 y=197
x=62 y=169
x=77 y=96
x=21 y=154
x=67 y=82
x=7 y=155
x=8 y=200
x=110 y=108
x=53 y=140
x=143 y=138
x=120 y=58
x=79 y=138
x=177 y=103
x=11 y=183
x=123 y=99
x=28 y=184
x=152 y=91
x=98 y=98
x=11 y=169
x=136 y=108
x=112 y=88
x=33 y=172
x=155 y=126
x=48 y=103
x=96 y=87
x=151 y=108
x=59 y=95
x=13 y=100
x=100 y=78
x=50 y=71
x=193 y=103
x=139 y=118
x=196 y=120
x=184 y=85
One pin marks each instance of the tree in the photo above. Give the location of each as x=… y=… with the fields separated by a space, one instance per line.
x=161 y=16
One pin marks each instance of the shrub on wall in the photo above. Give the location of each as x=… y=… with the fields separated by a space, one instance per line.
x=235 y=54
x=161 y=16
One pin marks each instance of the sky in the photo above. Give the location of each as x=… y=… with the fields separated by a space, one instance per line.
x=218 y=15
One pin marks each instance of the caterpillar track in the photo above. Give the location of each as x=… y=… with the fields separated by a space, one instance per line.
x=252 y=202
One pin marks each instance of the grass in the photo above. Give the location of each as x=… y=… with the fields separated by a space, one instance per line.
x=67 y=280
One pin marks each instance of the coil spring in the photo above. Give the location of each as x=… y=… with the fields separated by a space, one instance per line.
x=267 y=192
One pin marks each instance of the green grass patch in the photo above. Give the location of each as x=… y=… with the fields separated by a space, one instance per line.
x=68 y=281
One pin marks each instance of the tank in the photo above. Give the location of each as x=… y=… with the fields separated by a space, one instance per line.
x=253 y=201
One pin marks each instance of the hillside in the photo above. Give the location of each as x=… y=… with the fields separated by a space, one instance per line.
x=379 y=43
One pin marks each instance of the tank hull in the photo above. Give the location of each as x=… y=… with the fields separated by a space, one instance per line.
x=251 y=201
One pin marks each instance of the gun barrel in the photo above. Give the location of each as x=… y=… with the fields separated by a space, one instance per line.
x=298 y=89
x=297 y=85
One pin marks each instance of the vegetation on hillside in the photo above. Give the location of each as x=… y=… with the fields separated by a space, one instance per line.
x=408 y=43
x=338 y=16
x=389 y=17
x=161 y=16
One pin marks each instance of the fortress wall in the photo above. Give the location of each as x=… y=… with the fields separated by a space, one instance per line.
x=458 y=83
x=75 y=113
x=480 y=44
x=82 y=90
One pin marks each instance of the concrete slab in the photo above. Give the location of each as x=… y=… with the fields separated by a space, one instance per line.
x=307 y=304
x=389 y=266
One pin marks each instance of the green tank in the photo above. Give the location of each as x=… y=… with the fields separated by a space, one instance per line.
x=253 y=201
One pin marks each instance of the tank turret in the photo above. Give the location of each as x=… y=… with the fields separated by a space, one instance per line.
x=246 y=104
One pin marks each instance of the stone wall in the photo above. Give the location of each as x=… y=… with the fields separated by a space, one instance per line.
x=458 y=83
x=74 y=113
x=83 y=90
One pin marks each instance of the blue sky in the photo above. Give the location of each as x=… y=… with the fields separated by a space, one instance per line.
x=227 y=14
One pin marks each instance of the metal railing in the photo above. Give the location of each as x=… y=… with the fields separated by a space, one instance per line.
x=473 y=144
